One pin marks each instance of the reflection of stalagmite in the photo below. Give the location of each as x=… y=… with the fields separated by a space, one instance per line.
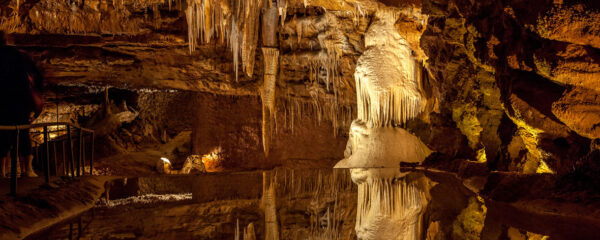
x=388 y=207
x=370 y=147
x=269 y=207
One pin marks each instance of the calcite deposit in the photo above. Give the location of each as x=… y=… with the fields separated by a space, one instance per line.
x=448 y=118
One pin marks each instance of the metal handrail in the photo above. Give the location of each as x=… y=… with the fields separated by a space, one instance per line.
x=75 y=167
x=37 y=125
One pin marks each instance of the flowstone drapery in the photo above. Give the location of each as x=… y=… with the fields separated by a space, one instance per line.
x=389 y=93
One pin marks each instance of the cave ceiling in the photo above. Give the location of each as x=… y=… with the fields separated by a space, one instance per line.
x=144 y=45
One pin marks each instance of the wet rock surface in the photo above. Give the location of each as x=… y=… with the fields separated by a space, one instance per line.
x=510 y=103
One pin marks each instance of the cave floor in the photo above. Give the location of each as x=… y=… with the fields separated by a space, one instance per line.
x=38 y=205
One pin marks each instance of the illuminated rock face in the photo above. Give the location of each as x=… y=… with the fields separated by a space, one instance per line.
x=390 y=206
x=387 y=76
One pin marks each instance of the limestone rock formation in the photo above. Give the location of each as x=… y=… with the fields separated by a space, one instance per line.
x=389 y=91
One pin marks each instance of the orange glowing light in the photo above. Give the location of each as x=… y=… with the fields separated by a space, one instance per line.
x=213 y=161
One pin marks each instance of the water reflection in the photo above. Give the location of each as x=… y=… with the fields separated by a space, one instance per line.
x=310 y=204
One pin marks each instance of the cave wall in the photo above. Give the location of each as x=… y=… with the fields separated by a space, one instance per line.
x=233 y=124
x=513 y=83
x=515 y=74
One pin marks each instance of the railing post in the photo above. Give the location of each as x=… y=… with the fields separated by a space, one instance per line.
x=83 y=155
x=79 y=228
x=37 y=156
x=92 y=154
x=79 y=161
x=14 y=159
x=71 y=154
x=71 y=231
x=47 y=155
x=64 y=159
x=55 y=161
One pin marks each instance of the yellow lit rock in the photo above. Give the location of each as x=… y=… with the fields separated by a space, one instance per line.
x=469 y=223
x=543 y=168
x=481 y=156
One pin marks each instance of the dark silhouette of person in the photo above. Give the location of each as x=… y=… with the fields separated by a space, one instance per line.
x=21 y=102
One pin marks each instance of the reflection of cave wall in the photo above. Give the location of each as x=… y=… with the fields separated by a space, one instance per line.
x=234 y=124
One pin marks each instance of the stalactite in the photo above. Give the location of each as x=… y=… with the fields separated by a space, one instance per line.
x=271 y=57
x=282 y=9
x=234 y=42
x=317 y=109
x=192 y=29
x=250 y=34
x=233 y=22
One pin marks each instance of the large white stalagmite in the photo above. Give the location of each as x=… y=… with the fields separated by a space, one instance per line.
x=388 y=83
x=389 y=93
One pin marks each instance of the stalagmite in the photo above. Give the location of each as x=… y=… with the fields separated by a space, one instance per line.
x=387 y=96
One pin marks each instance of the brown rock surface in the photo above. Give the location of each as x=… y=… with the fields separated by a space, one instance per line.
x=580 y=110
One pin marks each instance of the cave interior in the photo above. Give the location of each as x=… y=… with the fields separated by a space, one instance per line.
x=300 y=119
